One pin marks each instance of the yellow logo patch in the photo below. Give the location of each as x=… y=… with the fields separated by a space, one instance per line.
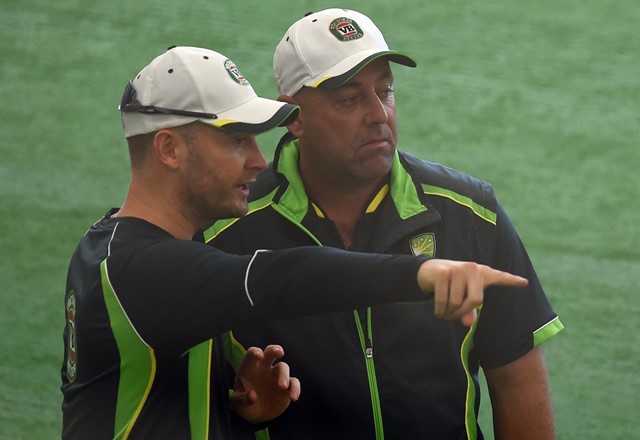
x=424 y=244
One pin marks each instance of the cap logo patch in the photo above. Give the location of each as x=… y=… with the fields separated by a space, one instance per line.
x=345 y=29
x=424 y=244
x=234 y=73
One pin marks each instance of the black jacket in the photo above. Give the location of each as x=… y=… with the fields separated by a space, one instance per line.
x=393 y=369
x=142 y=308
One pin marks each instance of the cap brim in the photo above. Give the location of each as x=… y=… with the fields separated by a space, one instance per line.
x=257 y=115
x=337 y=75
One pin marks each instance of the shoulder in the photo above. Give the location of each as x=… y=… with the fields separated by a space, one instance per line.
x=439 y=180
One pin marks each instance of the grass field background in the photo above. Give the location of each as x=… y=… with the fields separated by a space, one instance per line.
x=541 y=99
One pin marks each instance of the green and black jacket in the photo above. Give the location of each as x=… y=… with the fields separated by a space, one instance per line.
x=142 y=309
x=391 y=371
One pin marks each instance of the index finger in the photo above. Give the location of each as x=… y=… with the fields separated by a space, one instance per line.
x=494 y=277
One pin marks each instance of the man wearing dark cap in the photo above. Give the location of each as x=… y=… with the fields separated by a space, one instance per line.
x=338 y=179
x=144 y=297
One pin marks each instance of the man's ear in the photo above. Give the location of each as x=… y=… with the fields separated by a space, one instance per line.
x=294 y=127
x=167 y=146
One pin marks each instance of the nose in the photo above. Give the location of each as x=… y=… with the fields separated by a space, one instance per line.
x=376 y=110
x=255 y=159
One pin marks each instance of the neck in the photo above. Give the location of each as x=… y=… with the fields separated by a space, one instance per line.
x=343 y=205
x=160 y=210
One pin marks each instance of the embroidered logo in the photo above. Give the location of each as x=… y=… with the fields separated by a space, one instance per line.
x=424 y=244
x=345 y=29
x=235 y=74
x=72 y=355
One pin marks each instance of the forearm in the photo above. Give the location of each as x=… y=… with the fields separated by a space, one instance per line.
x=521 y=400
x=218 y=291
x=306 y=281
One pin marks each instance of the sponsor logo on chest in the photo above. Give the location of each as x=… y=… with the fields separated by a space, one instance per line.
x=423 y=244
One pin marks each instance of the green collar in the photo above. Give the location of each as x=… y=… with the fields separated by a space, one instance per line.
x=294 y=203
x=291 y=201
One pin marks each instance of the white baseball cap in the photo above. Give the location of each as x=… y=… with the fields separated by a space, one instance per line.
x=187 y=84
x=326 y=49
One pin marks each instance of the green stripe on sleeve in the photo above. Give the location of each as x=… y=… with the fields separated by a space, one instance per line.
x=548 y=330
x=477 y=209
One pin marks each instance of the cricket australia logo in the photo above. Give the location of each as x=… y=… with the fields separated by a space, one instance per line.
x=72 y=354
x=345 y=29
x=235 y=73
x=424 y=244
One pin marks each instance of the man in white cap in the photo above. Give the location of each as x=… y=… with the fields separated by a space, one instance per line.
x=144 y=298
x=338 y=180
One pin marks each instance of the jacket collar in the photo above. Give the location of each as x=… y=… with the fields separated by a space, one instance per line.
x=413 y=209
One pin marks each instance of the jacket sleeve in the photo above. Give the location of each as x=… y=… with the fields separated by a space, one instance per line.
x=180 y=293
x=313 y=280
x=513 y=321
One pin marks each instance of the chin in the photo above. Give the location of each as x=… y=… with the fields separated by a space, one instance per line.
x=377 y=169
x=238 y=211
x=226 y=212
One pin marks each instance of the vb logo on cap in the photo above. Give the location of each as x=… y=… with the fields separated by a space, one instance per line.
x=345 y=29
x=235 y=73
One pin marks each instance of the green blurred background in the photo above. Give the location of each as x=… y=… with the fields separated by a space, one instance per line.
x=541 y=98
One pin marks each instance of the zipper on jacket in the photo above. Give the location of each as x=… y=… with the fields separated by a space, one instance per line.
x=366 y=342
